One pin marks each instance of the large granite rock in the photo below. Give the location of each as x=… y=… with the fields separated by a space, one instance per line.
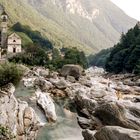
x=117 y=133
x=43 y=84
x=61 y=84
x=119 y=114
x=88 y=134
x=13 y=114
x=86 y=123
x=47 y=105
x=102 y=102
x=72 y=70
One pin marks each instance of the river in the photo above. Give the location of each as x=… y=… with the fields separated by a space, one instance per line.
x=66 y=127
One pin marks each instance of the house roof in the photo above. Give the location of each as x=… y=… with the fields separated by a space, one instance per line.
x=4 y=13
x=14 y=35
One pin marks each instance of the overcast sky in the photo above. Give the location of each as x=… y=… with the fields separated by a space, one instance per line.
x=131 y=7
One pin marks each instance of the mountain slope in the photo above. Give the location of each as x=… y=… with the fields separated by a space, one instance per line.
x=90 y=25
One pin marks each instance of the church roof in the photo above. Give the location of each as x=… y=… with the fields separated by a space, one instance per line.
x=4 y=13
x=14 y=35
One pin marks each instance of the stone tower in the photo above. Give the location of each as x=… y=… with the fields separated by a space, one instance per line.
x=4 y=29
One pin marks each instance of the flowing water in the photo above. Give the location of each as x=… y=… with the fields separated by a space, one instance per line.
x=66 y=127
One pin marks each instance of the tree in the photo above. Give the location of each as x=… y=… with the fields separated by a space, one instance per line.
x=35 y=36
x=125 y=56
x=10 y=73
x=33 y=55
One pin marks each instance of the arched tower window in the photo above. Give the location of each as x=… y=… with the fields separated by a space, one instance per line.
x=4 y=19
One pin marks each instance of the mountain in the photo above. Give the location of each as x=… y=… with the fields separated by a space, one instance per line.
x=90 y=25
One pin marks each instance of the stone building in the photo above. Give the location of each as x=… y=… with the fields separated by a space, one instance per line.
x=8 y=43
x=14 y=43
x=4 y=29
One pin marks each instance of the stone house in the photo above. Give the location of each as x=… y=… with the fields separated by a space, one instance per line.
x=14 y=43
x=9 y=43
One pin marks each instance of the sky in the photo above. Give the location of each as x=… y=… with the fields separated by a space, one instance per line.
x=130 y=7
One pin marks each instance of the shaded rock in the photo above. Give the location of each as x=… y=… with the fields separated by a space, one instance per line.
x=138 y=82
x=73 y=89
x=98 y=93
x=84 y=81
x=117 y=133
x=72 y=70
x=9 y=88
x=61 y=84
x=118 y=114
x=54 y=75
x=83 y=100
x=137 y=89
x=129 y=82
x=85 y=123
x=43 y=72
x=30 y=119
x=58 y=93
x=88 y=134
x=71 y=79
x=136 y=99
x=43 y=84
x=92 y=123
x=20 y=124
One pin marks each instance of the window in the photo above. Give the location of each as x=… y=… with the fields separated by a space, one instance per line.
x=14 y=40
x=14 y=50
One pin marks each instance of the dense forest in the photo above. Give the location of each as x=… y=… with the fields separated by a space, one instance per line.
x=125 y=56
x=99 y=59
x=35 y=36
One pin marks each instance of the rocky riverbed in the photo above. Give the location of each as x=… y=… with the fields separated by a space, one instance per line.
x=108 y=106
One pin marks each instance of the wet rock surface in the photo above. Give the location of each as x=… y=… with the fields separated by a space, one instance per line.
x=117 y=133
x=109 y=102
x=47 y=105
x=108 y=106
x=17 y=116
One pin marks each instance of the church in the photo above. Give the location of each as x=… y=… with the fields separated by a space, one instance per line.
x=11 y=44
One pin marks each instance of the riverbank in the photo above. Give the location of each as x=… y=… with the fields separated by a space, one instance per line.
x=105 y=104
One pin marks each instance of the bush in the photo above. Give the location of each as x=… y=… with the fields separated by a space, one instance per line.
x=36 y=56
x=5 y=134
x=9 y=73
x=33 y=56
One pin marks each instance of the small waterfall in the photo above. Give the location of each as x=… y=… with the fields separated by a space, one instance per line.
x=66 y=127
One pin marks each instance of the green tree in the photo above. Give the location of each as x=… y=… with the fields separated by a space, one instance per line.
x=125 y=56
x=33 y=55
x=35 y=36
x=10 y=73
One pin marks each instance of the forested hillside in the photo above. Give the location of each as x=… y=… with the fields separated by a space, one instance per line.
x=88 y=25
x=99 y=59
x=125 y=56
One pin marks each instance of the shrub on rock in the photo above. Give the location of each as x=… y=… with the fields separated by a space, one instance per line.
x=10 y=73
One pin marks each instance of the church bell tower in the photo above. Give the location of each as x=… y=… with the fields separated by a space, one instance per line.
x=4 y=29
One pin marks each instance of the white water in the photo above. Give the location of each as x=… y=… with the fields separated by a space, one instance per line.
x=66 y=127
